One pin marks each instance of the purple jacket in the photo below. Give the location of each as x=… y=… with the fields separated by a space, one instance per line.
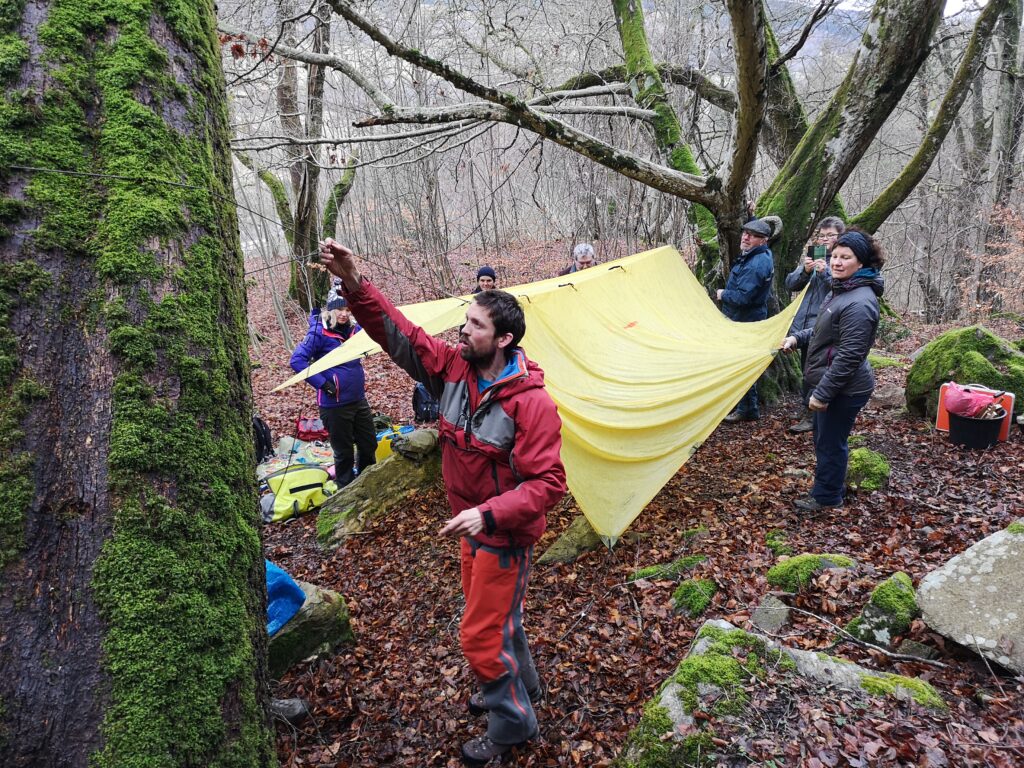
x=349 y=379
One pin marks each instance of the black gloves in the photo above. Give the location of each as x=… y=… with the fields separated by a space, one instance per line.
x=329 y=388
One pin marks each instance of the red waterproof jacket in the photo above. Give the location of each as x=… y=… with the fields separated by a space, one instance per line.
x=500 y=448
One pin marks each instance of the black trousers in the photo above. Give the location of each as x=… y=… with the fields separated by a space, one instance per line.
x=348 y=424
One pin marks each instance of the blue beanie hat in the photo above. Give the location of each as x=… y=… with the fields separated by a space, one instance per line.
x=860 y=246
x=337 y=303
x=486 y=272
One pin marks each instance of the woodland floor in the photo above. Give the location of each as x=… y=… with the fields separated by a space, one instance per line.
x=604 y=646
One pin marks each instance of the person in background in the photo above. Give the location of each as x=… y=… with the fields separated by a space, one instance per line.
x=814 y=271
x=837 y=371
x=486 y=279
x=583 y=257
x=500 y=441
x=340 y=391
x=745 y=296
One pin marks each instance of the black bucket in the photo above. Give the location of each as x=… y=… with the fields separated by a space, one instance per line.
x=975 y=433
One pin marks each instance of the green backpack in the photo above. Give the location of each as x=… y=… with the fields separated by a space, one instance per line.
x=297 y=489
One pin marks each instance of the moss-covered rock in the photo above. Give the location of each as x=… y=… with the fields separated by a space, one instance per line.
x=972 y=355
x=878 y=361
x=375 y=491
x=1016 y=528
x=892 y=607
x=694 y=596
x=776 y=542
x=920 y=691
x=578 y=538
x=795 y=573
x=712 y=678
x=867 y=470
x=668 y=570
x=321 y=626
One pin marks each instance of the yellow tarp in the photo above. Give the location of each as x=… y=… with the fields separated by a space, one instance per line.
x=640 y=362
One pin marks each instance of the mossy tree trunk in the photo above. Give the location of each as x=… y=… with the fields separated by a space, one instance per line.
x=872 y=217
x=892 y=49
x=648 y=90
x=133 y=604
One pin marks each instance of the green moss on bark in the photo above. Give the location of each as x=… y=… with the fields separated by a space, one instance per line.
x=179 y=583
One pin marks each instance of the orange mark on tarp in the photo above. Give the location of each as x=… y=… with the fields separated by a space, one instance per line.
x=630 y=325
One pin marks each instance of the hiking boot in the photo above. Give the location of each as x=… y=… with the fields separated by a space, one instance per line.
x=811 y=504
x=806 y=424
x=482 y=750
x=477 y=706
x=736 y=416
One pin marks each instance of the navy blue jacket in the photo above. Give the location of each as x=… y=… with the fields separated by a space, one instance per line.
x=745 y=297
x=349 y=379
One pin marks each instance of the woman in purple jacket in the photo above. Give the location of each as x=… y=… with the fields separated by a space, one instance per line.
x=340 y=391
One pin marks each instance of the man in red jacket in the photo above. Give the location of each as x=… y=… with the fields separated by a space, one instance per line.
x=500 y=444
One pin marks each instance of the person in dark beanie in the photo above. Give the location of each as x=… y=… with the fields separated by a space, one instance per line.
x=340 y=391
x=813 y=270
x=501 y=462
x=745 y=296
x=486 y=279
x=837 y=372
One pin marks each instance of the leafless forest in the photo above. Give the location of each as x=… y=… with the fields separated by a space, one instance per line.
x=443 y=185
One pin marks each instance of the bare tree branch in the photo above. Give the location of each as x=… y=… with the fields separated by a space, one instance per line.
x=825 y=7
x=879 y=210
x=689 y=77
x=308 y=57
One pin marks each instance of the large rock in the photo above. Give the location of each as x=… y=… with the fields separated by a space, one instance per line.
x=715 y=678
x=975 y=598
x=321 y=626
x=414 y=465
x=972 y=355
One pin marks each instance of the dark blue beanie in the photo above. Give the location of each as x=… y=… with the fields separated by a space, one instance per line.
x=860 y=246
x=486 y=272
x=337 y=303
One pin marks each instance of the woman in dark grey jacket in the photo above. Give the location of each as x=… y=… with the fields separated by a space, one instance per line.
x=837 y=372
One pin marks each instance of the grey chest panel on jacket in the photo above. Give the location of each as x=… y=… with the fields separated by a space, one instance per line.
x=490 y=424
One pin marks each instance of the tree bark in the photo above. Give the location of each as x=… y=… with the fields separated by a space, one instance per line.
x=872 y=217
x=892 y=49
x=133 y=604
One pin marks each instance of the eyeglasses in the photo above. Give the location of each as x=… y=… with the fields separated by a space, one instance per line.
x=826 y=235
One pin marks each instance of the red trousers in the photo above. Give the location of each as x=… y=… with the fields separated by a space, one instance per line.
x=494 y=584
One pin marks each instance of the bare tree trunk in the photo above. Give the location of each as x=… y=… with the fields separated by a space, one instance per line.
x=134 y=605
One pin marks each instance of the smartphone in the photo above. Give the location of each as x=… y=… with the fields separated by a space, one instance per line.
x=817 y=252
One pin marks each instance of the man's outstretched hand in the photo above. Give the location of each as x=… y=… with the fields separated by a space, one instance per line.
x=469 y=522
x=340 y=262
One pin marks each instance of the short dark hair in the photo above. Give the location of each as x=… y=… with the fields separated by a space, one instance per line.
x=506 y=313
x=832 y=222
x=875 y=254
